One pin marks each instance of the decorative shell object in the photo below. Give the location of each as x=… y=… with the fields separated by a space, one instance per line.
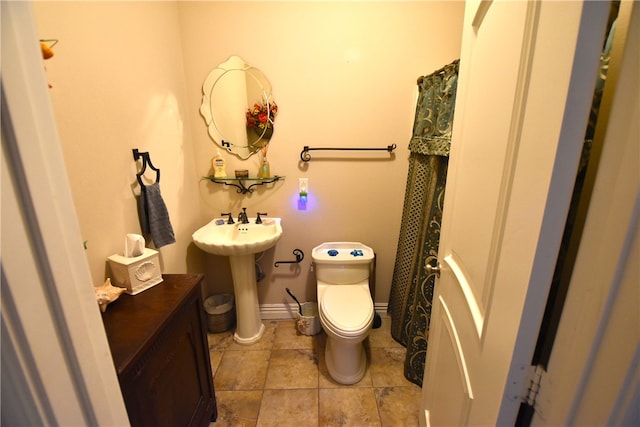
x=107 y=293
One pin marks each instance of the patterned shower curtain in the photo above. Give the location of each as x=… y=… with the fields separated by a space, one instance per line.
x=412 y=287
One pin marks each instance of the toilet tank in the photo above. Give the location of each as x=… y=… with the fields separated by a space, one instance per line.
x=342 y=263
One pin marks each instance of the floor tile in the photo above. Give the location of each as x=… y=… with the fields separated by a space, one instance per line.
x=242 y=370
x=288 y=337
x=292 y=369
x=398 y=406
x=289 y=408
x=348 y=407
x=282 y=380
x=381 y=337
x=215 y=357
x=387 y=367
x=238 y=408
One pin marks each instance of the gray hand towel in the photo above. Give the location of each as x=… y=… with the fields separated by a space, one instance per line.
x=154 y=217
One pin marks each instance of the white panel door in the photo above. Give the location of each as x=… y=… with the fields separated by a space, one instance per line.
x=521 y=111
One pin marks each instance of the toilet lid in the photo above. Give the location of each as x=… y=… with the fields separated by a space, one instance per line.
x=348 y=308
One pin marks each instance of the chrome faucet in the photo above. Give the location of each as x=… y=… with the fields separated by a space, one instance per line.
x=242 y=217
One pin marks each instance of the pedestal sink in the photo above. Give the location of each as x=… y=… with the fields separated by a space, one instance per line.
x=240 y=242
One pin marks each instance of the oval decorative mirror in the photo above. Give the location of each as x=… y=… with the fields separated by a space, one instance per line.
x=238 y=107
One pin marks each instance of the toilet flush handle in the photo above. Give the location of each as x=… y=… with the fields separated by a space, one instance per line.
x=434 y=270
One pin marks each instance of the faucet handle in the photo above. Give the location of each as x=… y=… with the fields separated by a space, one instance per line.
x=230 y=220
x=258 y=219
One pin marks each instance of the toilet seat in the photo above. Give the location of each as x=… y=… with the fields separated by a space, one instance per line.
x=347 y=310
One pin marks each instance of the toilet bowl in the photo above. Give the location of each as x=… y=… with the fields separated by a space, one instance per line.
x=345 y=306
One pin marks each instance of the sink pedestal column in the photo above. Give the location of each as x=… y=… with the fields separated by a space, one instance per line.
x=249 y=327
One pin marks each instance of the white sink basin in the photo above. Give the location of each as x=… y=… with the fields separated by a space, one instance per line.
x=238 y=239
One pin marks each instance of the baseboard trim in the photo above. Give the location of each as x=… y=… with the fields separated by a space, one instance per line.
x=278 y=311
x=381 y=307
x=284 y=311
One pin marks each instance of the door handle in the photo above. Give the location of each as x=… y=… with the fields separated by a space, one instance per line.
x=434 y=270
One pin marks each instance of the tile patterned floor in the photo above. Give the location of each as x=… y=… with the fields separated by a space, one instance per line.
x=283 y=381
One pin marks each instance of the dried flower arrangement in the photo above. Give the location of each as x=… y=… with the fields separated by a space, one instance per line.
x=262 y=115
x=260 y=118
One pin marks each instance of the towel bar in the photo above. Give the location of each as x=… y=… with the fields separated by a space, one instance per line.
x=305 y=156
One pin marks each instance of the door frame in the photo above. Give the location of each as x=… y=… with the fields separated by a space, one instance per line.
x=595 y=349
x=56 y=362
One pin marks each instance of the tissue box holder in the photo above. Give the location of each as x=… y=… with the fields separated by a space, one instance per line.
x=136 y=274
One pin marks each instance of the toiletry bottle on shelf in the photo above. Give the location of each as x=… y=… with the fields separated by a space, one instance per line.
x=264 y=169
x=219 y=170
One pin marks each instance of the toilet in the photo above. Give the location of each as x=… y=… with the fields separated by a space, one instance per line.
x=345 y=306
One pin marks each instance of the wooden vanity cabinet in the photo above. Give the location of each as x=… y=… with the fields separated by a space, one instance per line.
x=158 y=341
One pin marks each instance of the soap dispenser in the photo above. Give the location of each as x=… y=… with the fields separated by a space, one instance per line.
x=219 y=169
x=264 y=171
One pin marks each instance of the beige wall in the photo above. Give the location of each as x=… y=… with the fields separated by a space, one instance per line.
x=129 y=75
x=117 y=84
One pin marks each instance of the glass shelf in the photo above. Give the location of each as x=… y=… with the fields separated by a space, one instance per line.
x=240 y=184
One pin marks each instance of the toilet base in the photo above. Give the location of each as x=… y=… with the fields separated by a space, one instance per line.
x=346 y=362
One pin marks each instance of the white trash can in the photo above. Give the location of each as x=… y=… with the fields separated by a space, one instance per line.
x=308 y=322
